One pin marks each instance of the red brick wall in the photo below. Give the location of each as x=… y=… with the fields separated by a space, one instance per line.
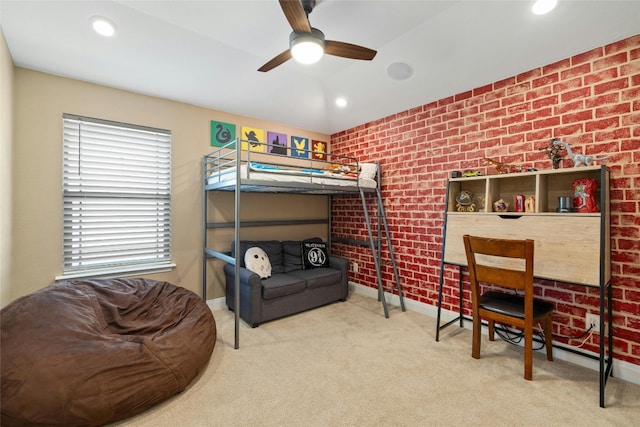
x=591 y=100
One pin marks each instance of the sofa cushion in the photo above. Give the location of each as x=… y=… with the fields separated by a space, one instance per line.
x=318 y=277
x=292 y=253
x=281 y=285
x=273 y=248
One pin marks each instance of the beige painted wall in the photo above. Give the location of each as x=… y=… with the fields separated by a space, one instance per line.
x=6 y=137
x=40 y=101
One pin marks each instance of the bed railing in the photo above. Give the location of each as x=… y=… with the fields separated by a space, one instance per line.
x=218 y=163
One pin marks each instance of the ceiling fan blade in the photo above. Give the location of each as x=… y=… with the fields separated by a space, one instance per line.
x=295 y=14
x=348 y=50
x=278 y=60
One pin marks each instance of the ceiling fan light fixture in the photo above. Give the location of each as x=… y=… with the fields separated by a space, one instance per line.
x=307 y=48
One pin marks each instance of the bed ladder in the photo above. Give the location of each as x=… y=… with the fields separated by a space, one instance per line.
x=376 y=247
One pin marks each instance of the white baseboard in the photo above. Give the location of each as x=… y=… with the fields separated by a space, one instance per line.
x=621 y=369
x=217 y=304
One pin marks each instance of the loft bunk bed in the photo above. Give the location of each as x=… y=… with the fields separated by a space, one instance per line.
x=246 y=166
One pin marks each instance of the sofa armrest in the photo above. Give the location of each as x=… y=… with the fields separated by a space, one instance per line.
x=250 y=293
x=246 y=275
x=342 y=264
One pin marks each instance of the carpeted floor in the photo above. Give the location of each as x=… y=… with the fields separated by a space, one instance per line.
x=346 y=365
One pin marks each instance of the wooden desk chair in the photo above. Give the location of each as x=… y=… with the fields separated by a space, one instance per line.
x=500 y=264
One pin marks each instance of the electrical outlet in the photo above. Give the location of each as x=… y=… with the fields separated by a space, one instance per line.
x=355 y=267
x=593 y=319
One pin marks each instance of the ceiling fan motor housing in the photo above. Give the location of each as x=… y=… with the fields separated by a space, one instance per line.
x=308 y=5
x=296 y=36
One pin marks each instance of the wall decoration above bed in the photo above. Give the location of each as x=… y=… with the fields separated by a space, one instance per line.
x=222 y=133
x=254 y=138
x=300 y=147
x=277 y=143
x=319 y=149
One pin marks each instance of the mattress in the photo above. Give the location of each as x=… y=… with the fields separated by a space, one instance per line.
x=267 y=173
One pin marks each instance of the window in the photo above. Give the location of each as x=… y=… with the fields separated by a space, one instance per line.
x=116 y=198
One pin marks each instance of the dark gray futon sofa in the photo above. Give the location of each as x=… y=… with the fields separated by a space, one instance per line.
x=292 y=288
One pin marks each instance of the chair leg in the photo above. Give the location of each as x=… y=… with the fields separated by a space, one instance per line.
x=492 y=329
x=477 y=328
x=548 y=336
x=528 y=353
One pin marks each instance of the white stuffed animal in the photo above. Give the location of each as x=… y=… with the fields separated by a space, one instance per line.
x=257 y=261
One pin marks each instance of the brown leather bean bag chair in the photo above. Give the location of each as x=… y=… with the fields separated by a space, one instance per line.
x=96 y=351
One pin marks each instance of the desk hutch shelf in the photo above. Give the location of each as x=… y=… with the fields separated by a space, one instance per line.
x=570 y=247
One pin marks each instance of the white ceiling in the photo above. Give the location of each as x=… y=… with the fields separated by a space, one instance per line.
x=206 y=53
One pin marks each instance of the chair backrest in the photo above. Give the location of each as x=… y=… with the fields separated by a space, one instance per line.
x=501 y=262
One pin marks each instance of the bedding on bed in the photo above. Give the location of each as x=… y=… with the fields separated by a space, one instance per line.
x=284 y=173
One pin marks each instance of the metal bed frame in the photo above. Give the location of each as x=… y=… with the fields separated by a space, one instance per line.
x=231 y=155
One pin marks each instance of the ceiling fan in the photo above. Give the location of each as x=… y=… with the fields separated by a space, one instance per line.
x=305 y=36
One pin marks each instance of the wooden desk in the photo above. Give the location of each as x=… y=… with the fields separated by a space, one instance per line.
x=570 y=247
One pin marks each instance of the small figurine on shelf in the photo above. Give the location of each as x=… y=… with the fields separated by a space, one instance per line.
x=501 y=205
x=555 y=153
x=530 y=204
x=577 y=158
x=500 y=167
x=465 y=202
x=584 y=197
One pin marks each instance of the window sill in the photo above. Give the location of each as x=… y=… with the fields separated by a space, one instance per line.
x=105 y=273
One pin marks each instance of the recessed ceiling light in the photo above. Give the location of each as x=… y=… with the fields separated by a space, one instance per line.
x=341 y=102
x=103 y=26
x=540 y=7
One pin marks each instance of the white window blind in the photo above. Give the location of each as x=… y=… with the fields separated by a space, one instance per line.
x=117 y=197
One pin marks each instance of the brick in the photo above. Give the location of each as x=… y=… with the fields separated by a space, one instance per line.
x=529 y=75
x=625 y=44
x=604 y=75
x=611 y=110
x=542 y=113
x=580 y=116
x=577 y=71
x=556 y=67
x=614 y=85
x=610 y=61
x=482 y=90
x=589 y=56
x=544 y=102
x=596 y=101
x=568 y=107
x=464 y=95
x=602 y=124
x=583 y=92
